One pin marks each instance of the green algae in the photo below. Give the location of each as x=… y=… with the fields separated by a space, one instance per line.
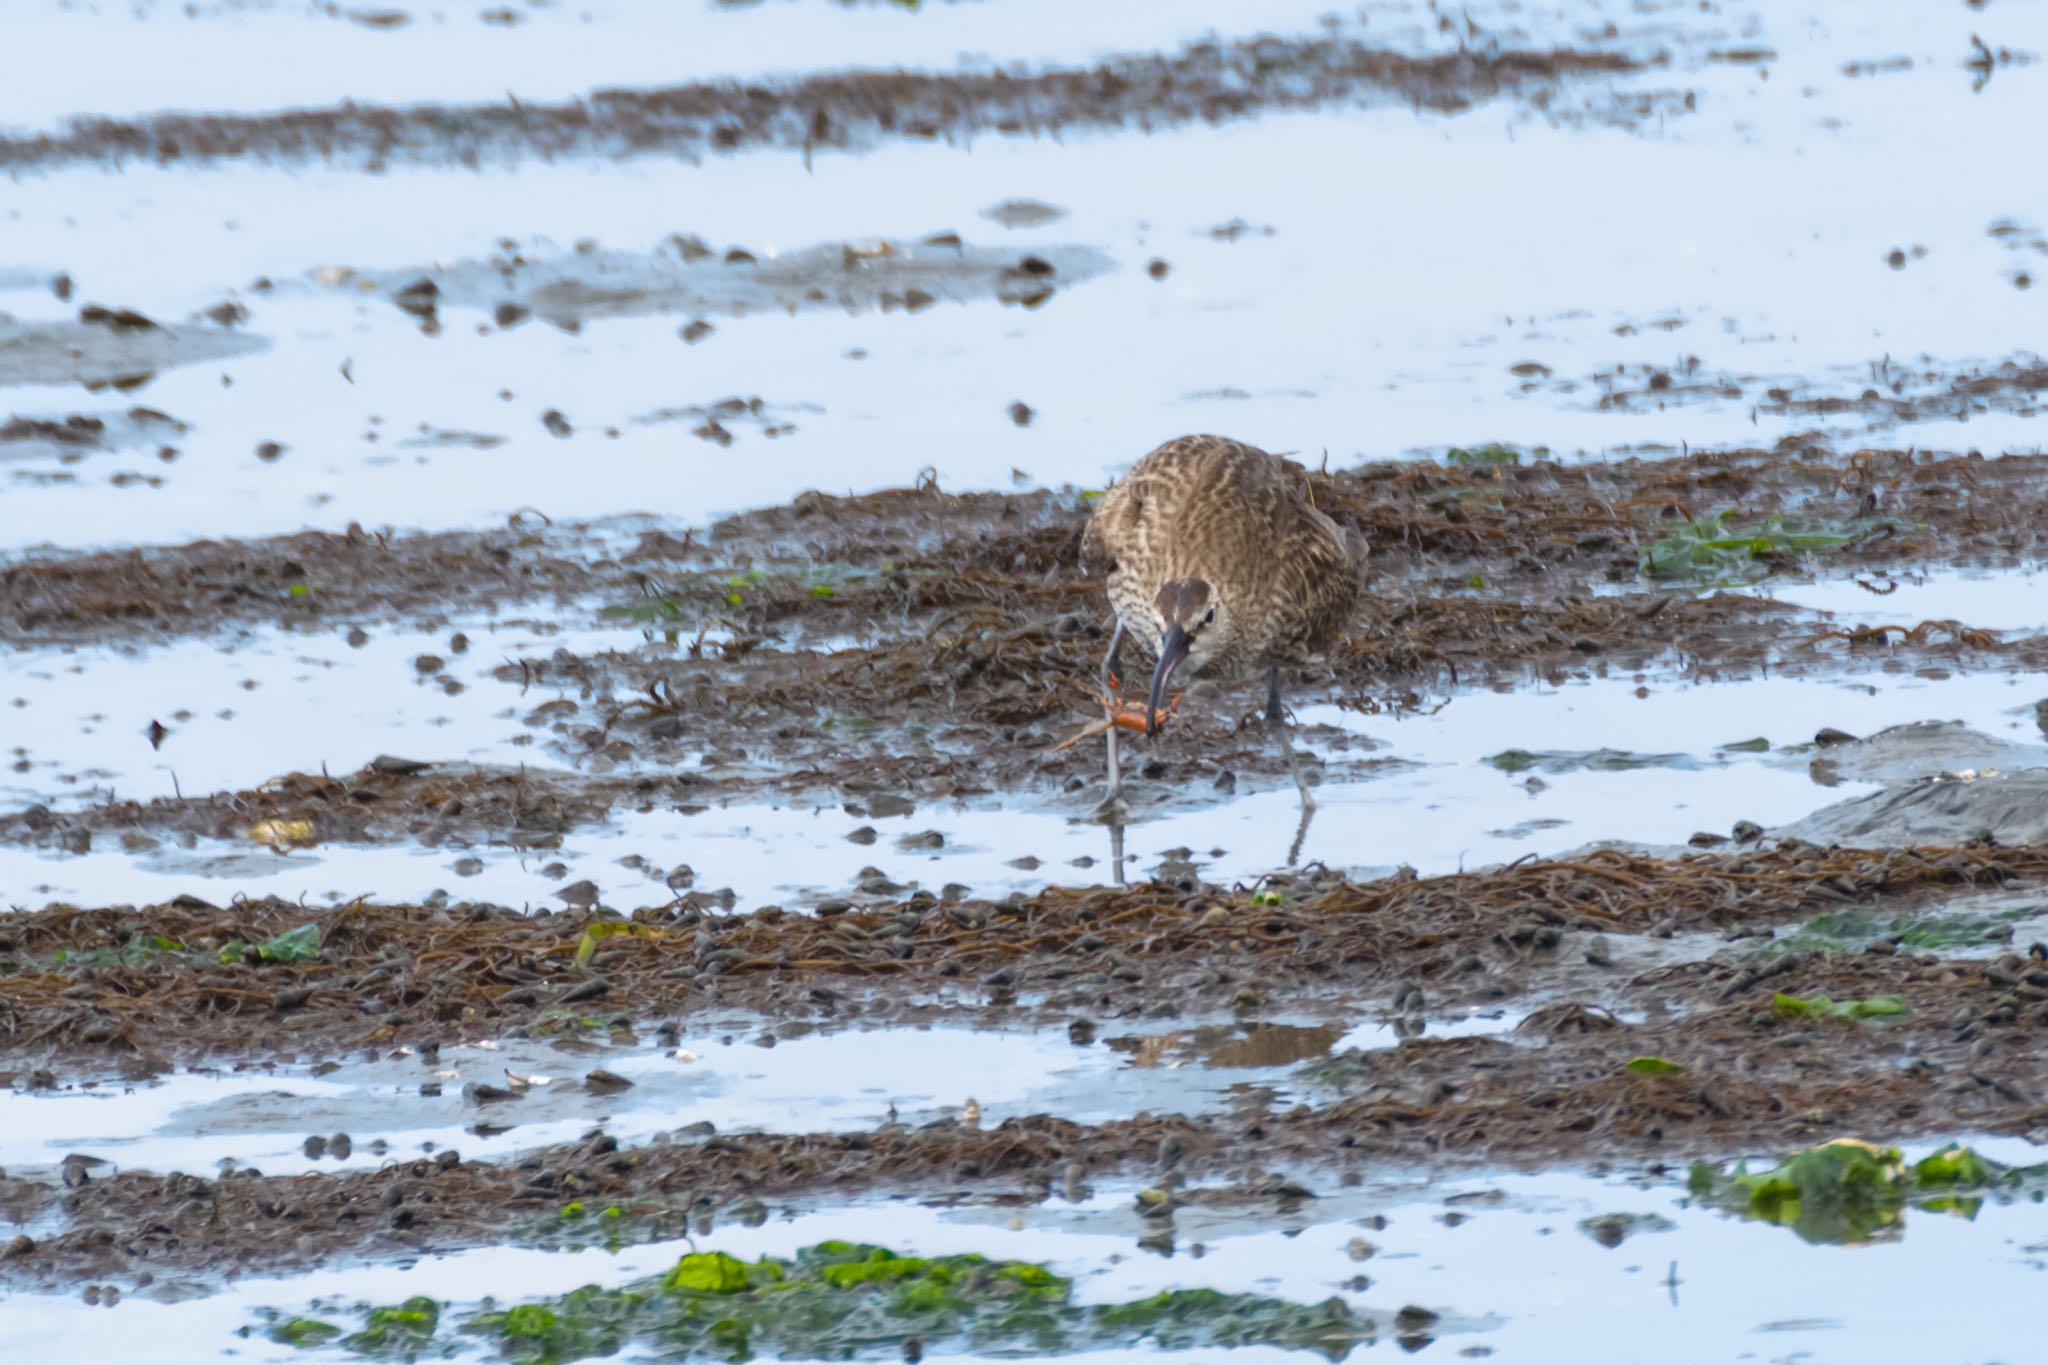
x=1848 y=1192
x=293 y=945
x=304 y=1332
x=398 y=1333
x=1589 y=760
x=1854 y=930
x=1492 y=455
x=1725 y=548
x=839 y=1299
x=1653 y=1066
x=1821 y=1007
x=703 y=598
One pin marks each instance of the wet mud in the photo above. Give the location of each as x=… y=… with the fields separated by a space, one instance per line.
x=1890 y=397
x=689 y=276
x=391 y=799
x=1988 y=806
x=116 y=349
x=310 y=581
x=1502 y=527
x=1209 y=82
x=74 y=436
x=793 y=677
x=1737 y=1059
x=172 y=982
x=921 y=644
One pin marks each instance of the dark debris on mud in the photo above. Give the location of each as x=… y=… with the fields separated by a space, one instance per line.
x=391 y=799
x=311 y=580
x=942 y=645
x=1962 y=1053
x=149 y=982
x=1207 y=82
x=976 y=654
x=1893 y=396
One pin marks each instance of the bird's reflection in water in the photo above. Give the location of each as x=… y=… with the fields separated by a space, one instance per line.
x=1247 y=1045
x=1118 y=858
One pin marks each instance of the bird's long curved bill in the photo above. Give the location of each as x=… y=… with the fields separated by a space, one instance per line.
x=1172 y=649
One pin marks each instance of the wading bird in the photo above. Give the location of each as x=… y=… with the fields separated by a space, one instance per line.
x=1220 y=565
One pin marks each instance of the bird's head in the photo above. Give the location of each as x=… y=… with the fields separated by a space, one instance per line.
x=1192 y=619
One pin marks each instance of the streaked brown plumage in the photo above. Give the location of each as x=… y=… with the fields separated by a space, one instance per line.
x=1215 y=555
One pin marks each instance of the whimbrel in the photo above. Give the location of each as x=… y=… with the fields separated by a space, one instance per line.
x=1219 y=564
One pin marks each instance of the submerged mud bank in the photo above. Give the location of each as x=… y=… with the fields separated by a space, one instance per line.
x=1208 y=82
x=686 y=275
x=109 y=349
x=1746 y=1051
x=1888 y=398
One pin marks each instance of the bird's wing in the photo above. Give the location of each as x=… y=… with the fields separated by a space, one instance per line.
x=1328 y=566
x=1115 y=532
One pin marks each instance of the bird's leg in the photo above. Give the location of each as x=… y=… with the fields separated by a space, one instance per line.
x=1276 y=721
x=1109 y=660
x=1112 y=807
x=1308 y=813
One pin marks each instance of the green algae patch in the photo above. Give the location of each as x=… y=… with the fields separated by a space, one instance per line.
x=1588 y=760
x=141 y=951
x=1821 y=1007
x=293 y=945
x=399 y=1333
x=1727 y=549
x=705 y=598
x=1848 y=1192
x=838 y=1299
x=1854 y=930
x=1653 y=1066
x=304 y=1332
x=709 y=1272
x=1955 y=1166
x=1188 y=1319
x=1492 y=455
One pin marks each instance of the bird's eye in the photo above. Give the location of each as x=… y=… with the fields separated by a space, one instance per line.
x=1210 y=617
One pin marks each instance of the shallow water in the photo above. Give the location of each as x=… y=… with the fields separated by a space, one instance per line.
x=449 y=53
x=799 y=1081
x=2008 y=600
x=1514 y=1272
x=1414 y=242
x=1402 y=283
x=1599 y=762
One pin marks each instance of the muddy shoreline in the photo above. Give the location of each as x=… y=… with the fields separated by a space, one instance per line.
x=1208 y=82
x=1748 y=1071
x=156 y=984
x=405 y=926
x=928 y=645
x=1529 y=528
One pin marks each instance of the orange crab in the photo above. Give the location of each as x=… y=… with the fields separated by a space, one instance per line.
x=1117 y=715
